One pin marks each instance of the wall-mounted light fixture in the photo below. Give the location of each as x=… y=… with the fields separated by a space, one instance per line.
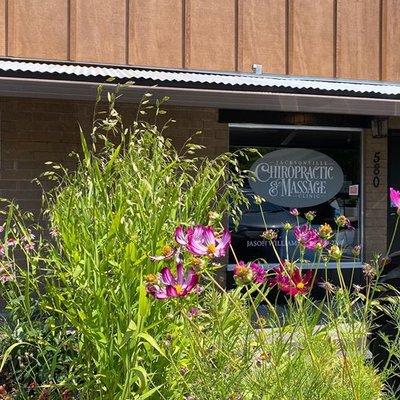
x=379 y=127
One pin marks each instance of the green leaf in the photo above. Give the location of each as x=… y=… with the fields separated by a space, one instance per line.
x=143 y=302
x=8 y=352
x=151 y=341
x=141 y=373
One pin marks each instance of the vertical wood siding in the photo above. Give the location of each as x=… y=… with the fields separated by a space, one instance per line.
x=37 y=28
x=391 y=40
x=333 y=38
x=358 y=39
x=99 y=30
x=312 y=37
x=156 y=33
x=262 y=22
x=210 y=34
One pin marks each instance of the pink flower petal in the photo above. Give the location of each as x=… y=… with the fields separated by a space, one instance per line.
x=395 y=198
x=166 y=276
x=180 y=235
x=208 y=236
x=192 y=280
x=179 y=274
x=171 y=291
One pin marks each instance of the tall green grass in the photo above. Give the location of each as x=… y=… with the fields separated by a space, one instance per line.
x=130 y=188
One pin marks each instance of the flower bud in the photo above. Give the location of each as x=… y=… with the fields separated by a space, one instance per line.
x=258 y=199
x=242 y=273
x=310 y=215
x=269 y=234
x=294 y=212
x=335 y=252
x=356 y=250
x=325 y=231
x=287 y=226
x=342 y=221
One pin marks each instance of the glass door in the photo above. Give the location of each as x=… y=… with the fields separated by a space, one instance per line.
x=305 y=180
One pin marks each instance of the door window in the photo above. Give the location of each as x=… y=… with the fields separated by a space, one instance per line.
x=342 y=146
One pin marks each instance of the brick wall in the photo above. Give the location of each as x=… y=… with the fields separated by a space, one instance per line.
x=33 y=131
x=376 y=192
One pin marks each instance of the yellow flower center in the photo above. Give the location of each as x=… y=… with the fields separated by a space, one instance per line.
x=178 y=289
x=300 y=285
x=150 y=278
x=211 y=248
x=166 y=250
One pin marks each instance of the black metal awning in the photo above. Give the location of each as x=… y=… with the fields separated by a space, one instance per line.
x=27 y=78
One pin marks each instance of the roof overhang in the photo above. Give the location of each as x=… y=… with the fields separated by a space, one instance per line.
x=231 y=99
x=59 y=80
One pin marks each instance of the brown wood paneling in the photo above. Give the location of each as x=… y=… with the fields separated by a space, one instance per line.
x=262 y=35
x=99 y=31
x=210 y=34
x=38 y=29
x=312 y=37
x=391 y=40
x=3 y=25
x=358 y=39
x=156 y=32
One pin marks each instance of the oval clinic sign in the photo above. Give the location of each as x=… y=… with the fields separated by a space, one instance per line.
x=296 y=177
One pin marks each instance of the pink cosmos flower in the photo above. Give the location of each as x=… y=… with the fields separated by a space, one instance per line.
x=259 y=273
x=7 y=273
x=395 y=198
x=29 y=246
x=54 y=232
x=173 y=286
x=306 y=236
x=293 y=282
x=182 y=234
x=12 y=242
x=203 y=241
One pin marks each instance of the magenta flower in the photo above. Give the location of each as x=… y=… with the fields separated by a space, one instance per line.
x=173 y=286
x=395 y=198
x=306 y=236
x=293 y=282
x=181 y=235
x=30 y=246
x=259 y=273
x=203 y=241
